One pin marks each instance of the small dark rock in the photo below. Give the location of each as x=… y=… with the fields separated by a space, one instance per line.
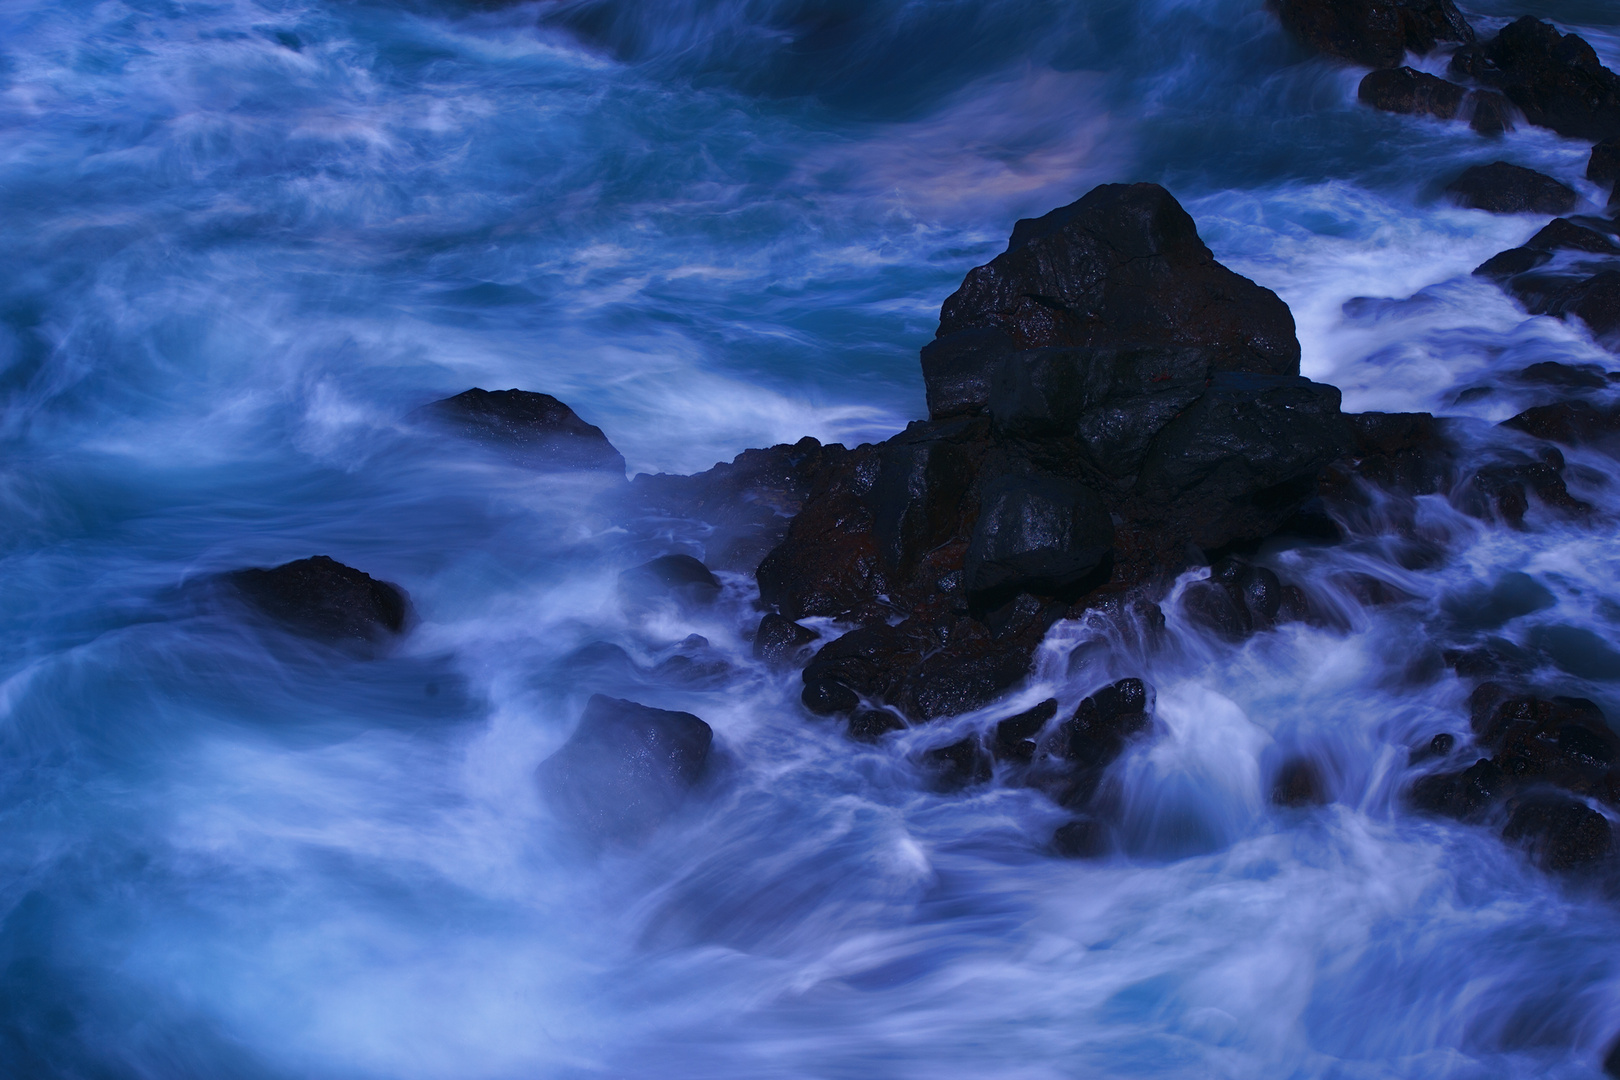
x=536 y=429
x=1461 y=795
x=1489 y=113
x=780 y=641
x=1015 y=737
x=1506 y=264
x=626 y=768
x=1568 y=376
x=1099 y=729
x=1299 y=783
x=1405 y=90
x=1603 y=167
x=1561 y=834
x=961 y=764
x=1502 y=188
x=1439 y=746
x=322 y=598
x=1563 y=234
x=1377 y=33
x=1569 y=422
x=669 y=577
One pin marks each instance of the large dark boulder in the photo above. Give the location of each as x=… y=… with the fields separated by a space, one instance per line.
x=1377 y=33
x=321 y=598
x=1504 y=188
x=1406 y=90
x=1035 y=533
x=1603 y=167
x=1120 y=269
x=626 y=768
x=1556 y=80
x=534 y=429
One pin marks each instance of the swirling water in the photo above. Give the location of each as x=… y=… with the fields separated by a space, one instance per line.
x=245 y=239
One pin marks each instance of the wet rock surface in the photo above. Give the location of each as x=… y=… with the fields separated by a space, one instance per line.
x=321 y=598
x=535 y=430
x=1554 y=79
x=1407 y=90
x=626 y=768
x=1377 y=33
x=1504 y=188
x=680 y=579
x=1548 y=762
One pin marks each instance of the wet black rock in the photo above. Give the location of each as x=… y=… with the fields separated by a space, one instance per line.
x=1569 y=422
x=1461 y=795
x=780 y=641
x=1299 y=783
x=1377 y=33
x=1238 y=599
x=678 y=578
x=1489 y=112
x=1504 y=188
x=1405 y=90
x=1512 y=262
x=1035 y=534
x=1556 y=80
x=321 y=598
x=870 y=725
x=1561 y=234
x=1120 y=269
x=1084 y=838
x=1603 y=167
x=961 y=764
x=1097 y=734
x=625 y=769
x=534 y=429
x=1016 y=738
x=1561 y=834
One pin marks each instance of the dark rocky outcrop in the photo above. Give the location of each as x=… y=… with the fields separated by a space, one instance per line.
x=1121 y=280
x=625 y=769
x=1406 y=90
x=321 y=598
x=1549 y=760
x=1113 y=400
x=1555 y=80
x=1569 y=422
x=1603 y=167
x=1377 y=33
x=1504 y=188
x=533 y=429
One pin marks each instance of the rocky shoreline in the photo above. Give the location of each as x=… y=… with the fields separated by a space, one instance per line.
x=1110 y=408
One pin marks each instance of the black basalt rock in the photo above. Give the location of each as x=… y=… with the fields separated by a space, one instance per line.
x=625 y=769
x=1603 y=167
x=321 y=598
x=1560 y=834
x=1412 y=92
x=534 y=429
x=1122 y=268
x=1555 y=79
x=1504 y=188
x=1377 y=33
x=1035 y=533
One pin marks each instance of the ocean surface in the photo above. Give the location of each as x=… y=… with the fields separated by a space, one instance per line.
x=243 y=241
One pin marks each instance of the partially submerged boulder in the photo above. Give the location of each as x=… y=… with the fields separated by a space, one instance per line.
x=321 y=598
x=1556 y=80
x=1377 y=33
x=1504 y=188
x=625 y=769
x=536 y=430
x=1407 y=90
x=680 y=579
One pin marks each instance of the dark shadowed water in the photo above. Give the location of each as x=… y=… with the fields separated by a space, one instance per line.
x=244 y=240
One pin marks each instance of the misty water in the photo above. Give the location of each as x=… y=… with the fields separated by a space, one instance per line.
x=244 y=241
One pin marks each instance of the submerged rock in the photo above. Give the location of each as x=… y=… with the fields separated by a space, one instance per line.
x=321 y=598
x=1377 y=33
x=780 y=641
x=626 y=768
x=678 y=578
x=1556 y=80
x=534 y=429
x=1504 y=188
